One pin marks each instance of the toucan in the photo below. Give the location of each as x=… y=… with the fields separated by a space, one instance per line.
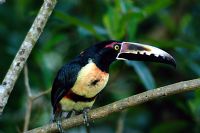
x=79 y=82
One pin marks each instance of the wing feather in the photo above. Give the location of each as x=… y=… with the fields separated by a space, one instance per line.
x=63 y=82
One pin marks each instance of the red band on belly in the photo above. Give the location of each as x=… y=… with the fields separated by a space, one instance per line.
x=77 y=98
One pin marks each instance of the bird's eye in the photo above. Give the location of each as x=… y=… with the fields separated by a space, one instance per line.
x=116 y=47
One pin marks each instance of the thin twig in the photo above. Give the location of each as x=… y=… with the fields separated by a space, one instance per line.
x=122 y=104
x=29 y=103
x=26 y=81
x=31 y=98
x=40 y=94
x=27 y=115
x=120 y=122
x=24 y=51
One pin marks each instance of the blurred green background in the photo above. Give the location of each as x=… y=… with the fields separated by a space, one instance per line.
x=172 y=25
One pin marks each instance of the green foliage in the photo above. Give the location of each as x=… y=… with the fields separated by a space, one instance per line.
x=144 y=74
x=172 y=25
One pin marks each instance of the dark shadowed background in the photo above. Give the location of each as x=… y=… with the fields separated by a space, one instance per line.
x=172 y=25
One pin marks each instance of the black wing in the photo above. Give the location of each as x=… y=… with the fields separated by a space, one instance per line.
x=63 y=82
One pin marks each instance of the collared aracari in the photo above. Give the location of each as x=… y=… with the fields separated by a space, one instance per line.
x=79 y=82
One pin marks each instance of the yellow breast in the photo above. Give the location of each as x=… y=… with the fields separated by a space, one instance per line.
x=68 y=104
x=90 y=81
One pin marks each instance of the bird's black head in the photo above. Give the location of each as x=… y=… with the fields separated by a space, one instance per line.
x=104 y=53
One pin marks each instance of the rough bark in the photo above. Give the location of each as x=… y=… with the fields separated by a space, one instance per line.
x=24 y=51
x=122 y=104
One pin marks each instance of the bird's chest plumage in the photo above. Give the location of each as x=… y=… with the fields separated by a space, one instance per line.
x=90 y=81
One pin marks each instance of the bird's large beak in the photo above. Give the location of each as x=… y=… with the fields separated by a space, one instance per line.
x=141 y=52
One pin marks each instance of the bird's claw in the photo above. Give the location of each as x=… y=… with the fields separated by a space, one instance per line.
x=58 y=118
x=85 y=117
x=59 y=125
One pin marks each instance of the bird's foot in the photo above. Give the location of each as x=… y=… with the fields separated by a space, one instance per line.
x=58 y=119
x=69 y=114
x=86 y=119
x=85 y=116
x=59 y=125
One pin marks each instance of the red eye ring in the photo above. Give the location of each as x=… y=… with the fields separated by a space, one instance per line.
x=111 y=45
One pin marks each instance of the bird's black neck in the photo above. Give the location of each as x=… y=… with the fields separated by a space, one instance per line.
x=102 y=64
x=102 y=58
x=103 y=61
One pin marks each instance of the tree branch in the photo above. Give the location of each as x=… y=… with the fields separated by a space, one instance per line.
x=30 y=98
x=122 y=104
x=26 y=81
x=120 y=122
x=29 y=102
x=24 y=51
x=40 y=94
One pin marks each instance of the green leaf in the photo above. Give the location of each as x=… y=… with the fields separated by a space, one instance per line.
x=21 y=7
x=186 y=19
x=113 y=22
x=131 y=20
x=53 y=41
x=168 y=21
x=75 y=21
x=156 y=6
x=144 y=74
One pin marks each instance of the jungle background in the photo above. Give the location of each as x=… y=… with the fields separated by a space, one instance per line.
x=172 y=25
